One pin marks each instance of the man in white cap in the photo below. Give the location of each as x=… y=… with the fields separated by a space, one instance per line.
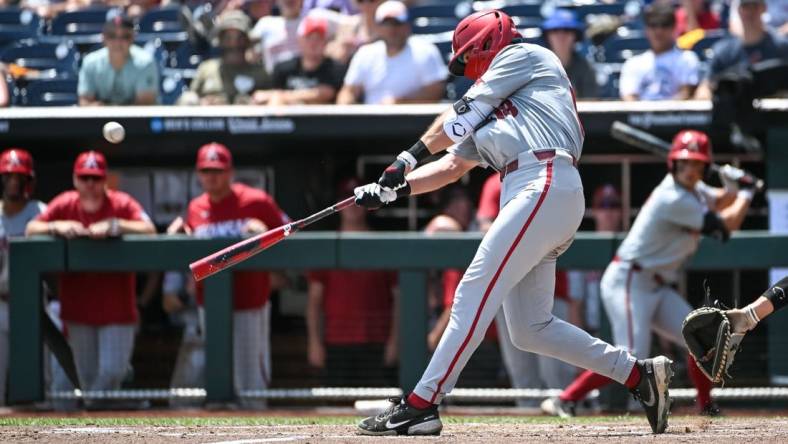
x=396 y=69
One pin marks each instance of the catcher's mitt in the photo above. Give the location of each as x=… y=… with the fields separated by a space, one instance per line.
x=707 y=332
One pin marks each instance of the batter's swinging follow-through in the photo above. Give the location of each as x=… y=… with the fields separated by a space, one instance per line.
x=520 y=119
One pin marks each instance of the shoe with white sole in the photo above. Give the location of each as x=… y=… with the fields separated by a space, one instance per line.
x=555 y=406
x=403 y=419
x=652 y=391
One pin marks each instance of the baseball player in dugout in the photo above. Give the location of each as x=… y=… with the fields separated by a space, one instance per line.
x=231 y=209
x=18 y=208
x=520 y=119
x=639 y=287
x=99 y=310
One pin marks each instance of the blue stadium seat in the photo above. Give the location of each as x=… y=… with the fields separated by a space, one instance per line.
x=433 y=25
x=54 y=59
x=51 y=92
x=599 y=8
x=607 y=77
x=186 y=56
x=456 y=87
x=17 y=25
x=703 y=48
x=81 y=27
x=446 y=10
x=166 y=24
x=172 y=86
x=617 y=48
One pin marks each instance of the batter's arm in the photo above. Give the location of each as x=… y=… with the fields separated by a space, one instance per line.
x=432 y=176
x=435 y=138
x=733 y=215
x=316 y=354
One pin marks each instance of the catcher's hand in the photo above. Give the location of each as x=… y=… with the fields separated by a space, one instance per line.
x=711 y=342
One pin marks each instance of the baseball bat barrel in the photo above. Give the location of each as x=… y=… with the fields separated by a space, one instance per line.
x=654 y=145
x=242 y=250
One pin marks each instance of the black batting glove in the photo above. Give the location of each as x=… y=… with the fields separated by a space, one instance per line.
x=372 y=196
x=393 y=177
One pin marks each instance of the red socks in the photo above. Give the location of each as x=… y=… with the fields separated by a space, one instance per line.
x=418 y=402
x=634 y=378
x=700 y=381
x=583 y=384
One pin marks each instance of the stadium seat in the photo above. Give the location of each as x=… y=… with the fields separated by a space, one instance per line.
x=456 y=87
x=618 y=48
x=51 y=92
x=17 y=25
x=607 y=77
x=166 y=24
x=446 y=10
x=433 y=25
x=172 y=86
x=616 y=9
x=53 y=59
x=186 y=56
x=81 y=27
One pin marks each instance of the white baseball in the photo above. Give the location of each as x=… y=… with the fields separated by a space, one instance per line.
x=114 y=132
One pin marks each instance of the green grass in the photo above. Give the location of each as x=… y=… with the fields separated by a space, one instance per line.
x=273 y=420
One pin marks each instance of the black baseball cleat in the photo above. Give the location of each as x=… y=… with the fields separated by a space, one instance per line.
x=711 y=409
x=403 y=419
x=652 y=391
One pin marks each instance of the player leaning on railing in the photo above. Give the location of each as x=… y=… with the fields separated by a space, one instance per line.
x=520 y=119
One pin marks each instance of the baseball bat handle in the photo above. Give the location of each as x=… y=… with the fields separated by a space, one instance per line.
x=242 y=250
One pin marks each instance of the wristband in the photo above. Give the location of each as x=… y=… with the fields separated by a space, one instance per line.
x=745 y=194
x=753 y=316
x=414 y=154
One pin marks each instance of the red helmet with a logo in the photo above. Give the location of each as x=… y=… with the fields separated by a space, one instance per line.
x=16 y=160
x=690 y=144
x=481 y=36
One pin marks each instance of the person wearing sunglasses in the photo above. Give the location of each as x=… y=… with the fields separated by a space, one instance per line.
x=120 y=73
x=98 y=309
x=664 y=72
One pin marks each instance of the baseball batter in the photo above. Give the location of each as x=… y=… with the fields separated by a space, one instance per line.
x=639 y=287
x=16 y=167
x=518 y=118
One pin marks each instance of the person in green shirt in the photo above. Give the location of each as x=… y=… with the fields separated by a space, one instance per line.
x=120 y=73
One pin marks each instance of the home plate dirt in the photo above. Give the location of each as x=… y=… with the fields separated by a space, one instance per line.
x=458 y=429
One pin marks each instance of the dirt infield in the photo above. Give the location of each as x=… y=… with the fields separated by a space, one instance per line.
x=457 y=429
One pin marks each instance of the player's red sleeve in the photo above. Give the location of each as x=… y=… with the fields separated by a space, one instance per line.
x=55 y=210
x=451 y=280
x=270 y=213
x=130 y=209
x=489 y=201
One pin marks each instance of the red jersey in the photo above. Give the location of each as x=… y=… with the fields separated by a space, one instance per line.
x=490 y=200
x=357 y=305
x=96 y=298
x=706 y=20
x=251 y=289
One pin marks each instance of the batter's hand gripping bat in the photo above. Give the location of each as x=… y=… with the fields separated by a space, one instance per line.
x=247 y=248
x=653 y=144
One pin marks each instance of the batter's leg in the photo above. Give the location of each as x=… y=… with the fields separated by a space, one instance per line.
x=83 y=340
x=555 y=373
x=247 y=348
x=521 y=366
x=115 y=345
x=669 y=318
x=537 y=330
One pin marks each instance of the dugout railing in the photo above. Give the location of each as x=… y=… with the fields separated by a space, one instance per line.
x=412 y=254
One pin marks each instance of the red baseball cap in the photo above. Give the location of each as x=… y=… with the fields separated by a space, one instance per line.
x=16 y=160
x=312 y=24
x=214 y=156
x=91 y=163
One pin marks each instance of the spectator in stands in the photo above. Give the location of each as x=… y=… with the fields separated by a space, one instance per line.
x=525 y=369
x=99 y=309
x=396 y=69
x=695 y=14
x=664 y=72
x=228 y=209
x=756 y=44
x=278 y=35
x=311 y=78
x=357 y=30
x=342 y=6
x=120 y=73
x=352 y=316
x=16 y=210
x=562 y=31
x=229 y=79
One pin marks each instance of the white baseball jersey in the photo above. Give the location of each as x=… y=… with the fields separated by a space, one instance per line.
x=667 y=230
x=14 y=226
x=535 y=108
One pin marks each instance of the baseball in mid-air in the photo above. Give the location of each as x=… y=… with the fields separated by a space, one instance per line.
x=114 y=132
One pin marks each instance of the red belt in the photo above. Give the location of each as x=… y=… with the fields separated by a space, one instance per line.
x=540 y=155
x=658 y=279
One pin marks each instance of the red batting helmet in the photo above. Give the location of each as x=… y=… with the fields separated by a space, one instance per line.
x=690 y=144
x=481 y=36
x=16 y=160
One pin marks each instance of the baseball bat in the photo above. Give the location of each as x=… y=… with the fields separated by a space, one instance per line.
x=654 y=145
x=59 y=347
x=240 y=251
